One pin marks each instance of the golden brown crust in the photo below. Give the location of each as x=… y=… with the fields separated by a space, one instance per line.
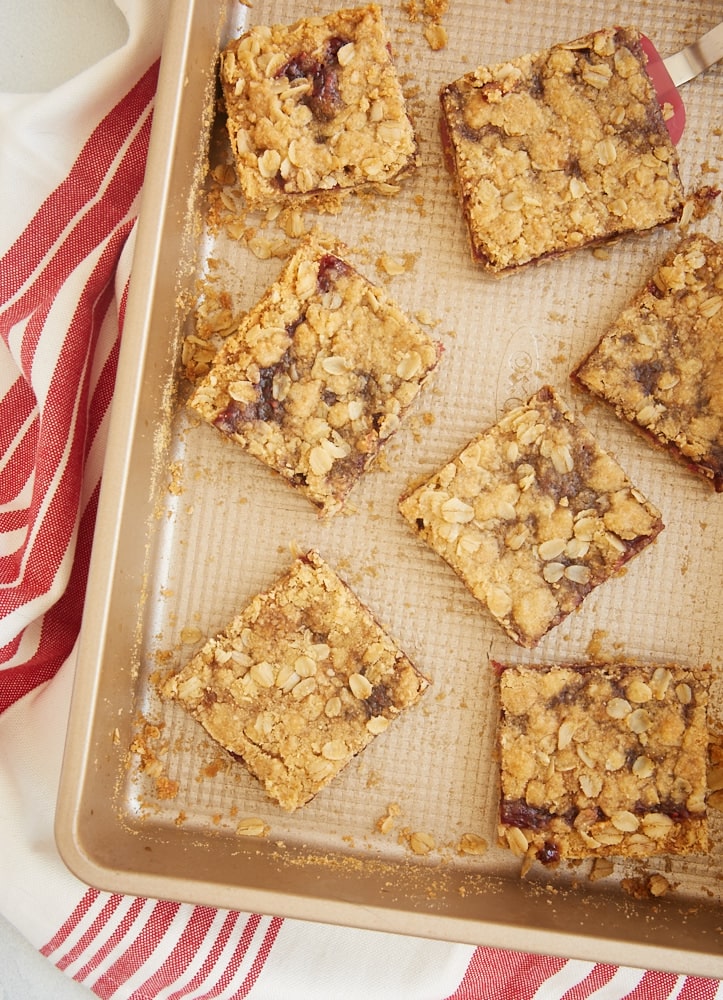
x=532 y=515
x=318 y=376
x=301 y=681
x=316 y=106
x=660 y=364
x=601 y=760
x=560 y=149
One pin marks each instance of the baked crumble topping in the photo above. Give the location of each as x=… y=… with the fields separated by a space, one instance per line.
x=603 y=759
x=532 y=515
x=560 y=149
x=316 y=106
x=660 y=364
x=301 y=681
x=319 y=374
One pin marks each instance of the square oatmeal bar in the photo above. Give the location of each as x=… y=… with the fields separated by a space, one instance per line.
x=316 y=106
x=318 y=375
x=560 y=149
x=660 y=364
x=603 y=759
x=532 y=515
x=301 y=681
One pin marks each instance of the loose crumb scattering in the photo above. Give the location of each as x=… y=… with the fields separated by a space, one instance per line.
x=175 y=485
x=601 y=868
x=386 y=822
x=252 y=826
x=298 y=683
x=532 y=515
x=701 y=202
x=646 y=886
x=421 y=843
x=316 y=106
x=166 y=788
x=472 y=843
x=658 y=885
x=436 y=36
x=430 y=12
x=560 y=149
x=599 y=760
x=150 y=747
x=418 y=842
x=319 y=374
x=392 y=266
x=424 y=317
x=660 y=364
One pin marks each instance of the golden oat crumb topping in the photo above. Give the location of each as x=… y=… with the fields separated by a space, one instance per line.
x=560 y=149
x=316 y=106
x=600 y=760
x=319 y=374
x=301 y=681
x=532 y=515
x=660 y=364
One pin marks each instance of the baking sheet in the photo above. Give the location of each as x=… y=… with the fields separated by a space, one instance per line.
x=190 y=528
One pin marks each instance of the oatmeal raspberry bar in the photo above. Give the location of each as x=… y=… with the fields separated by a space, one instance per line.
x=532 y=515
x=298 y=683
x=315 y=106
x=603 y=759
x=319 y=374
x=660 y=364
x=560 y=149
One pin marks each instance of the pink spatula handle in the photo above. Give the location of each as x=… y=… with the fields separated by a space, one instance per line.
x=665 y=89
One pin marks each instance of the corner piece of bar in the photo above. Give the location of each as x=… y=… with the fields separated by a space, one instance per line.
x=316 y=106
x=603 y=760
x=660 y=364
x=532 y=515
x=302 y=680
x=560 y=149
x=319 y=374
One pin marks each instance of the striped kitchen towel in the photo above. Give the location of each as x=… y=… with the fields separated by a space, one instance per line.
x=71 y=171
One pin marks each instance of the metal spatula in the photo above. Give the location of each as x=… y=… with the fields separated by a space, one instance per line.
x=672 y=72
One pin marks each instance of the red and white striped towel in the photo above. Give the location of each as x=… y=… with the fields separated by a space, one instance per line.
x=71 y=169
